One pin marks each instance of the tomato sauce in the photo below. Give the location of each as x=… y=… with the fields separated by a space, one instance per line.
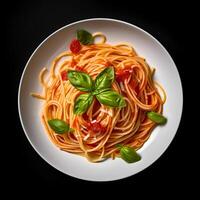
x=134 y=85
x=81 y=69
x=73 y=63
x=64 y=75
x=123 y=74
x=85 y=117
x=94 y=126
x=108 y=64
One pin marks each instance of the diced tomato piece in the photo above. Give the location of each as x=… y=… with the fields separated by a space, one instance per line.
x=123 y=74
x=81 y=69
x=75 y=46
x=96 y=127
x=64 y=75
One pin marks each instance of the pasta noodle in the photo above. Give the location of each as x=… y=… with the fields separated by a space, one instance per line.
x=128 y=125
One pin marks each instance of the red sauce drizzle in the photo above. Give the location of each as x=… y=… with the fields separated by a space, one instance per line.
x=85 y=117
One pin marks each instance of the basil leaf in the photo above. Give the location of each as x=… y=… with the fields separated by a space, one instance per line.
x=84 y=37
x=80 y=80
x=156 y=117
x=111 y=98
x=59 y=126
x=105 y=78
x=129 y=154
x=99 y=91
x=82 y=103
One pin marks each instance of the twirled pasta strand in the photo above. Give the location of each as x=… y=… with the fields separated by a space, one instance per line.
x=128 y=125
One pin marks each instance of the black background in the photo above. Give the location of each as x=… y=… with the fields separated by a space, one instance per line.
x=29 y=23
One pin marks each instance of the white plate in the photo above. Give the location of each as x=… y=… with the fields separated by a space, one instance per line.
x=116 y=32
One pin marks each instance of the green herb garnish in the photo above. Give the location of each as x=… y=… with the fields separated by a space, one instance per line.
x=156 y=117
x=128 y=153
x=59 y=126
x=111 y=98
x=105 y=79
x=82 y=103
x=80 y=80
x=101 y=88
x=84 y=37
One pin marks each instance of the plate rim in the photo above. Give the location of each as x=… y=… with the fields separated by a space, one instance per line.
x=74 y=23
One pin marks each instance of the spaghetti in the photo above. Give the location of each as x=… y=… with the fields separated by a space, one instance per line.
x=96 y=132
